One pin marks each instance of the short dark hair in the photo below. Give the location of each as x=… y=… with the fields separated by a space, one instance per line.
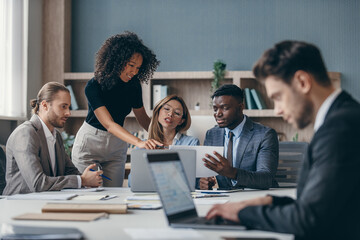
x=287 y=57
x=116 y=52
x=230 y=90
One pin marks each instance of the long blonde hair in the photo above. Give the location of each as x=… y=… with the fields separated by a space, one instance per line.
x=156 y=130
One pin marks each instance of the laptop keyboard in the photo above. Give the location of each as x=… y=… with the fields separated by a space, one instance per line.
x=214 y=221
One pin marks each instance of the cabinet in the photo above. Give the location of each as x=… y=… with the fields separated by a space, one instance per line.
x=194 y=87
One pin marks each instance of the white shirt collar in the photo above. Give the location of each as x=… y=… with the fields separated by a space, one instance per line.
x=47 y=132
x=324 y=108
x=176 y=138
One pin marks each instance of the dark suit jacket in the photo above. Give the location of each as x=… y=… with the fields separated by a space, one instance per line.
x=328 y=194
x=28 y=164
x=259 y=151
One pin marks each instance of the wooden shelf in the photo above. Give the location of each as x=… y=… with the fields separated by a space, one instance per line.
x=78 y=76
x=78 y=113
x=193 y=87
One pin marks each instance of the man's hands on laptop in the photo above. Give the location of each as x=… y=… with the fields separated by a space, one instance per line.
x=230 y=210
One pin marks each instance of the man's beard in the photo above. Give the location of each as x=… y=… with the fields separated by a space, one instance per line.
x=52 y=119
x=305 y=116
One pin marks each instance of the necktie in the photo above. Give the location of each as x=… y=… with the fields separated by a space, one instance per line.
x=230 y=148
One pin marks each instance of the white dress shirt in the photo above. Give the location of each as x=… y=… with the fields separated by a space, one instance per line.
x=324 y=108
x=236 y=141
x=51 y=140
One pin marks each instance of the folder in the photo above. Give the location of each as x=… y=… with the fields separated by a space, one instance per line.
x=12 y=231
x=85 y=208
x=61 y=216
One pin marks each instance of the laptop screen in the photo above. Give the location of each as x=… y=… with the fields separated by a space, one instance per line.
x=171 y=183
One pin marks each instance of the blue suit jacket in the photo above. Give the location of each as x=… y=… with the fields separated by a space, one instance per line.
x=328 y=196
x=259 y=151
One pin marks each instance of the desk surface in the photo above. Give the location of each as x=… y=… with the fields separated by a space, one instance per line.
x=113 y=227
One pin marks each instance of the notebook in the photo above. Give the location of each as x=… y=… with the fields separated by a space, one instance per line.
x=12 y=231
x=141 y=180
x=172 y=186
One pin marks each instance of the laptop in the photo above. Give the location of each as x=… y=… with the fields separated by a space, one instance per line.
x=174 y=191
x=141 y=180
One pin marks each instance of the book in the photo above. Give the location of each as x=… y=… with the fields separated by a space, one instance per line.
x=85 y=208
x=164 y=91
x=61 y=216
x=249 y=99
x=159 y=92
x=12 y=231
x=74 y=105
x=156 y=94
x=258 y=99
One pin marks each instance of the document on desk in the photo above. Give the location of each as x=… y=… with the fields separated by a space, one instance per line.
x=201 y=170
x=206 y=201
x=219 y=191
x=143 y=197
x=98 y=189
x=42 y=196
x=162 y=233
x=93 y=197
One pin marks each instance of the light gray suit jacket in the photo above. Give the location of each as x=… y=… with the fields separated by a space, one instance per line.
x=259 y=151
x=28 y=164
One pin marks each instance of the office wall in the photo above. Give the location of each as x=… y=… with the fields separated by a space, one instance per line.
x=189 y=35
x=34 y=65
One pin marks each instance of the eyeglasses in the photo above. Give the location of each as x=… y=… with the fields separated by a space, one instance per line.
x=177 y=113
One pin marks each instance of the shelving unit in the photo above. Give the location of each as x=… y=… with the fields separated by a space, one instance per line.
x=193 y=87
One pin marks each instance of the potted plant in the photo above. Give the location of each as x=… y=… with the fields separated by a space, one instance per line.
x=219 y=74
x=68 y=141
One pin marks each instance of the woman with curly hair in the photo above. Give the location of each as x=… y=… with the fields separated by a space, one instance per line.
x=171 y=118
x=122 y=64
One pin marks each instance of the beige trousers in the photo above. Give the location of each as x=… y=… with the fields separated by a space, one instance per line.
x=95 y=144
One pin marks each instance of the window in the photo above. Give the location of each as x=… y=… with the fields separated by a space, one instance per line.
x=13 y=57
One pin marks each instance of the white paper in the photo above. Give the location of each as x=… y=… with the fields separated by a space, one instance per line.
x=201 y=170
x=149 y=197
x=93 y=197
x=206 y=201
x=98 y=189
x=42 y=196
x=162 y=233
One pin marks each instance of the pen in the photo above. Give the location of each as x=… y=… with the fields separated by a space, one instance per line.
x=102 y=175
x=210 y=192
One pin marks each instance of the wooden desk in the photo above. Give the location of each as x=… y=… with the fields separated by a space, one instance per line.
x=113 y=227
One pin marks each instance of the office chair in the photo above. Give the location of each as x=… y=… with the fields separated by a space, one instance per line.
x=2 y=170
x=291 y=157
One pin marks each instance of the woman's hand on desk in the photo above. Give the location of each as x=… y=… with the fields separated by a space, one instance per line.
x=230 y=210
x=148 y=144
x=91 y=179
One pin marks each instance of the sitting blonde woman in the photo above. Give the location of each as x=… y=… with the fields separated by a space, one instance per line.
x=170 y=120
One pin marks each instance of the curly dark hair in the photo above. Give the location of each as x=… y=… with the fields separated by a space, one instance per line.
x=116 y=52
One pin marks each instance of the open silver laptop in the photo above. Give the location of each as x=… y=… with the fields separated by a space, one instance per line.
x=141 y=180
x=173 y=189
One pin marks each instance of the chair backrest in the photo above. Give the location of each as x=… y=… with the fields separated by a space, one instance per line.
x=291 y=157
x=2 y=170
